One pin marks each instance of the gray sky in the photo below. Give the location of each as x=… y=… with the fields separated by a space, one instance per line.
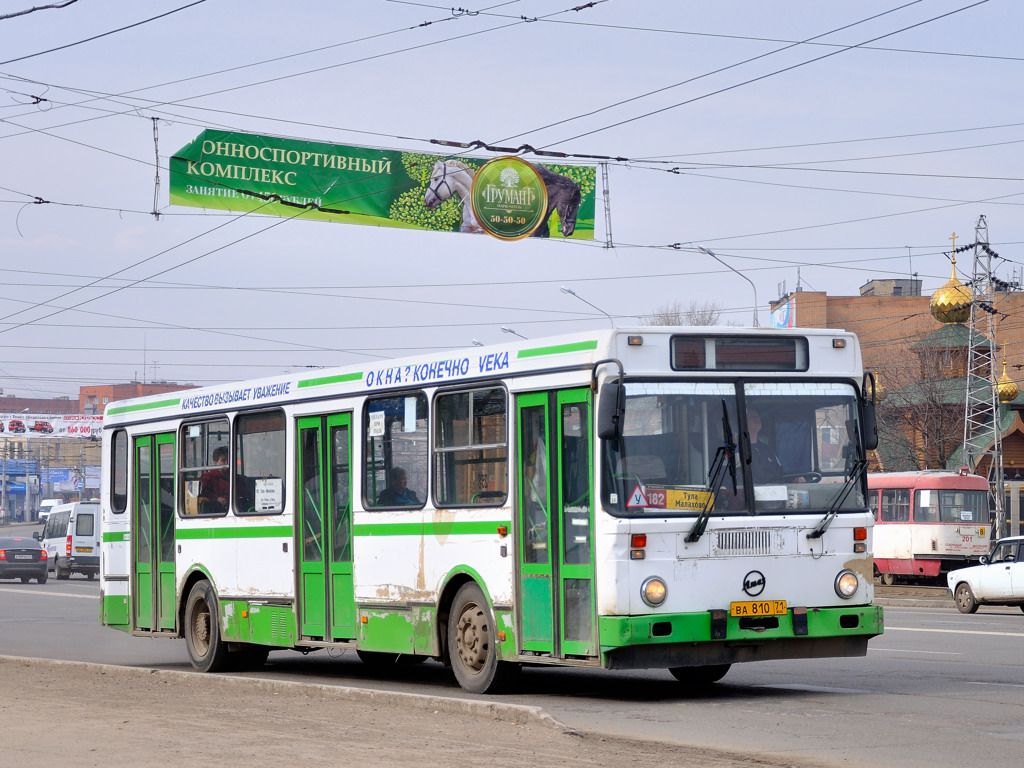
x=749 y=129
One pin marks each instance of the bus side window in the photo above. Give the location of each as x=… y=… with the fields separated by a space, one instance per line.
x=119 y=472
x=395 y=434
x=260 y=460
x=470 y=451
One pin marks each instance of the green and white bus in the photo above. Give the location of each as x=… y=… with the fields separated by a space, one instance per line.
x=594 y=500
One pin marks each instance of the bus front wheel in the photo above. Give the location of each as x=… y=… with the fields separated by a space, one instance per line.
x=700 y=677
x=472 y=644
x=206 y=650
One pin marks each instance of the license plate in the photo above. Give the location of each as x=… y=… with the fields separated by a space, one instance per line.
x=23 y=557
x=758 y=608
x=83 y=549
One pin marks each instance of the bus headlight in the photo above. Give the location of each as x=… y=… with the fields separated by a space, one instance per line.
x=846 y=584
x=653 y=591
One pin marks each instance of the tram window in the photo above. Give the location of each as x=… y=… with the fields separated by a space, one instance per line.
x=119 y=472
x=205 y=459
x=395 y=431
x=260 y=463
x=896 y=505
x=471 y=448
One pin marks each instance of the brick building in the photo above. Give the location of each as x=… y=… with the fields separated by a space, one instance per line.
x=93 y=400
x=905 y=345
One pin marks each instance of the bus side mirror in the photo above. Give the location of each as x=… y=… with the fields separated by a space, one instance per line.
x=867 y=411
x=867 y=417
x=611 y=408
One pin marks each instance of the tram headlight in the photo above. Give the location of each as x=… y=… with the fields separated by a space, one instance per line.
x=847 y=584
x=653 y=591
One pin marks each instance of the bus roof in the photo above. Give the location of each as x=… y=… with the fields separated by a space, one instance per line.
x=574 y=351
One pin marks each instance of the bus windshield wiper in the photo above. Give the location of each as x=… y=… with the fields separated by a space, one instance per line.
x=819 y=530
x=725 y=461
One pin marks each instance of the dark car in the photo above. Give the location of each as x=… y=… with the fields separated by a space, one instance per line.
x=22 y=558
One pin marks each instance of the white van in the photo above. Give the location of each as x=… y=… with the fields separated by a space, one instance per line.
x=44 y=508
x=71 y=538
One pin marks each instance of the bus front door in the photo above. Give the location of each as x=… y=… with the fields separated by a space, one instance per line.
x=554 y=523
x=324 y=528
x=152 y=534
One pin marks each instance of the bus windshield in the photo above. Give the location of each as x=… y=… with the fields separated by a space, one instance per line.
x=796 y=445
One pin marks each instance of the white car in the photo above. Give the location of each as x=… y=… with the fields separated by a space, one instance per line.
x=999 y=580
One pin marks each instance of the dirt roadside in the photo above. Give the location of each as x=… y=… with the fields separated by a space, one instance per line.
x=72 y=713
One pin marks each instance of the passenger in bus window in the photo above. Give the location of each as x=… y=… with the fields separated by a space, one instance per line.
x=213 y=485
x=397 y=492
x=764 y=462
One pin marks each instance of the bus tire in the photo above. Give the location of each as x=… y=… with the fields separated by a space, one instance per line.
x=888 y=579
x=700 y=677
x=472 y=646
x=62 y=574
x=206 y=650
x=964 y=598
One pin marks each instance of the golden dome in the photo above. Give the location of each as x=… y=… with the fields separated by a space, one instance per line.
x=1006 y=388
x=951 y=303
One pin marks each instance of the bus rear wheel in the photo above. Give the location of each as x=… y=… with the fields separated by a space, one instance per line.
x=206 y=650
x=700 y=677
x=472 y=644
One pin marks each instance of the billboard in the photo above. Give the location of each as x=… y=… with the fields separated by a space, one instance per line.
x=276 y=176
x=45 y=425
x=784 y=315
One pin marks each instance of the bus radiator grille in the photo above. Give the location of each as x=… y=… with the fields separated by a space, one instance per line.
x=749 y=543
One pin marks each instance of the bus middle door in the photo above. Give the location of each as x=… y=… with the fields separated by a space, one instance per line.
x=555 y=519
x=325 y=590
x=152 y=534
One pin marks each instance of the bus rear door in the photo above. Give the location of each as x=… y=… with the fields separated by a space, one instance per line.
x=152 y=530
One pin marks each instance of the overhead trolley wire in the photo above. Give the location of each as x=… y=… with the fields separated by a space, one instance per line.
x=104 y=34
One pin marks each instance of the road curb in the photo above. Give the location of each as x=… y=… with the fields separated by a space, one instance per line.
x=905 y=602
x=514 y=713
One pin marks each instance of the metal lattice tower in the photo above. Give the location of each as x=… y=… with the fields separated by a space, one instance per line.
x=982 y=429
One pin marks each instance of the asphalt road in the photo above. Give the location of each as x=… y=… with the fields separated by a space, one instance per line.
x=938 y=688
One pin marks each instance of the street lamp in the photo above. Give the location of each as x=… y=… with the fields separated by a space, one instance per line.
x=571 y=292
x=506 y=329
x=711 y=253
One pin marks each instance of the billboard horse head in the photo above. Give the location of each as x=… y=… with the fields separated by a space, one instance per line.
x=563 y=196
x=453 y=177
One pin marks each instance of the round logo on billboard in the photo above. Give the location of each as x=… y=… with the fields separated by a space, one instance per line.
x=509 y=198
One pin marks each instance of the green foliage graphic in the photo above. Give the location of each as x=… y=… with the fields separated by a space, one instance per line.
x=409 y=207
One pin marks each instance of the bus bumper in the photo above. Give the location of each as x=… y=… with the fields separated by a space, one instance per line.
x=714 y=637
